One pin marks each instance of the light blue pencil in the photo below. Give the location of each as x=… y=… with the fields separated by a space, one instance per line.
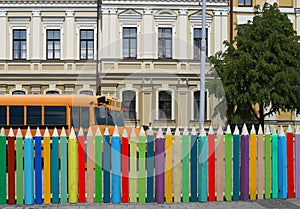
x=28 y=168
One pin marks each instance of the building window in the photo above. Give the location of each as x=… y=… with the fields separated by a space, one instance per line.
x=197 y=42
x=19 y=44
x=165 y=105
x=164 y=43
x=197 y=103
x=53 y=44
x=129 y=104
x=18 y=92
x=86 y=44
x=86 y=92
x=129 y=43
x=52 y=92
x=245 y=3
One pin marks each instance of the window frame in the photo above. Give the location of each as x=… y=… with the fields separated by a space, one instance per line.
x=164 y=40
x=86 y=42
x=53 y=45
x=129 y=45
x=199 y=43
x=130 y=105
x=195 y=114
x=20 y=41
x=243 y=4
x=170 y=117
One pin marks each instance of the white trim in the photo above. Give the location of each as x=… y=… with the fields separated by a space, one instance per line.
x=11 y=38
x=138 y=32
x=166 y=25
x=53 y=19
x=173 y=99
x=24 y=20
x=136 y=98
x=165 y=15
x=87 y=26
x=92 y=20
x=193 y=26
x=130 y=14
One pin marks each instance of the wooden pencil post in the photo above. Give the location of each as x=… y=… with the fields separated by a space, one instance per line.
x=106 y=166
x=236 y=164
x=274 y=164
x=55 y=168
x=297 y=162
x=211 y=164
x=19 y=169
x=193 y=180
x=11 y=167
x=142 y=166
x=185 y=165
x=133 y=162
x=267 y=163
x=81 y=166
x=150 y=166
x=220 y=167
x=159 y=167
x=125 y=167
x=290 y=162
x=228 y=164
x=2 y=167
x=90 y=166
x=168 y=166
x=73 y=167
x=260 y=164
x=28 y=169
x=116 y=167
x=244 y=164
x=47 y=168
x=177 y=166
x=282 y=165
x=252 y=150
x=98 y=166
x=63 y=167
x=202 y=166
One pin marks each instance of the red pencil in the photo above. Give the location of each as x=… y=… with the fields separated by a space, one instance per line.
x=290 y=161
x=81 y=167
x=11 y=167
x=211 y=164
x=125 y=186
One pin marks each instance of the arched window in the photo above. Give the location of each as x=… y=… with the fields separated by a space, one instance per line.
x=86 y=92
x=129 y=104
x=165 y=105
x=52 y=92
x=18 y=92
x=197 y=103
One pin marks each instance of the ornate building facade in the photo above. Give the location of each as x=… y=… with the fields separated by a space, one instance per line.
x=149 y=53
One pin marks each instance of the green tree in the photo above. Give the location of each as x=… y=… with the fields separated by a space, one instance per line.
x=260 y=69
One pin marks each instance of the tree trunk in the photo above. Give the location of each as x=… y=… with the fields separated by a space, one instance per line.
x=261 y=119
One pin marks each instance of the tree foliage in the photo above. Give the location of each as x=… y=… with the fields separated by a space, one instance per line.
x=260 y=69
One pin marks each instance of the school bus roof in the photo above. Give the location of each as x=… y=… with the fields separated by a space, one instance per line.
x=71 y=100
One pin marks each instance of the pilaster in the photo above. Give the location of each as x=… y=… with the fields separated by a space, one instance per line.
x=217 y=30
x=105 y=33
x=36 y=35
x=113 y=32
x=183 y=46
x=224 y=30
x=148 y=34
x=3 y=34
x=70 y=31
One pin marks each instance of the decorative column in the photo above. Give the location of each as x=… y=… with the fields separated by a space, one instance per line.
x=105 y=33
x=148 y=35
x=297 y=10
x=147 y=111
x=36 y=35
x=113 y=33
x=224 y=15
x=183 y=112
x=183 y=46
x=217 y=29
x=3 y=35
x=70 y=36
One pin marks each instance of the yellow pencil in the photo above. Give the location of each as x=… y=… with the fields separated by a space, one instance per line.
x=252 y=164
x=73 y=168
x=168 y=166
x=47 y=168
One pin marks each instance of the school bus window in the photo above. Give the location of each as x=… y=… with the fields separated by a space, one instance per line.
x=98 y=119
x=85 y=117
x=16 y=115
x=34 y=115
x=75 y=117
x=55 y=115
x=3 y=115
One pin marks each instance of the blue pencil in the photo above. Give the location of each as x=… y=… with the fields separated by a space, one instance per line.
x=202 y=169
x=116 y=166
x=282 y=165
x=54 y=168
x=236 y=164
x=28 y=168
x=38 y=167
x=150 y=165
x=274 y=164
x=106 y=166
x=193 y=165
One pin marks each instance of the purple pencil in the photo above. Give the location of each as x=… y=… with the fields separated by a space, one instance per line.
x=244 y=164
x=297 y=163
x=159 y=167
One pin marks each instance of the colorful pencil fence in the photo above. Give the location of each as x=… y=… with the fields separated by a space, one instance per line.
x=183 y=166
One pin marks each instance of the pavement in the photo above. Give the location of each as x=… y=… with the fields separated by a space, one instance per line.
x=257 y=204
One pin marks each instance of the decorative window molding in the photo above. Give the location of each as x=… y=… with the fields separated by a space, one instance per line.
x=166 y=25
x=11 y=38
x=53 y=19
x=157 y=102
x=138 y=32
x=91 y=20
x=129 y=15
x=197 y=16
x=52 y=89
x=24 y=20
x=165 y=15
x=85 y=26
x=128 y=88
x=208 y=37
x=192 y=105
x=18 y=89
x=86 y=89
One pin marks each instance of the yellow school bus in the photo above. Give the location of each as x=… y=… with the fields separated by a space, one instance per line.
x=21 y=111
